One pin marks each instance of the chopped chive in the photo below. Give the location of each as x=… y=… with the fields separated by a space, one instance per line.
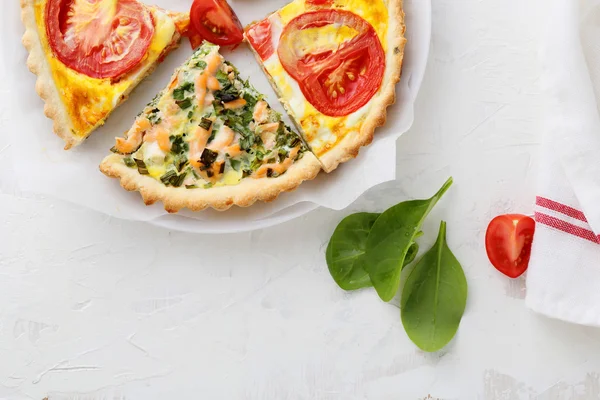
x=205 y=124
x=184 y=104
x=208 y=157
x=191 y=187
x=166 y=178
x=208 y=185
x=201 y=64
x=129 y=162
x=235 y=164
x=141 y=166
x=177 y=180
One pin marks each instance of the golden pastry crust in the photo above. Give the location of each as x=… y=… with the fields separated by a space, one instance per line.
x=350 y=145
x=49 y=92
x=246 y=193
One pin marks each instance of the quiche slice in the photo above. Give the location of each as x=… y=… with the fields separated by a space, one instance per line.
x=209 y=139
x=334 y=65
x=90 y=54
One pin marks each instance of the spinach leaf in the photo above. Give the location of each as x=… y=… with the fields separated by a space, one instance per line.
x=434 y=297
x=346 y=250
x=345 y=253
x=390 y=239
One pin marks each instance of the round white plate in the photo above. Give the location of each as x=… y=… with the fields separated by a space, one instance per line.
x=418 y=26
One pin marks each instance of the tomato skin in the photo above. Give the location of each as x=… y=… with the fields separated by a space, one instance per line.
x=336 y=83
x=216 y=22
x=508 y=242
x=95 y=49
x=260 y=37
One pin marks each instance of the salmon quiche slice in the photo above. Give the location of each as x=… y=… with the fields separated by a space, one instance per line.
x=334 y=65
x=209 y=139
x=90 y=54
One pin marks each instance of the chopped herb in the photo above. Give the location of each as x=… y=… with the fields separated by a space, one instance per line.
x=247 y=142
x=250 y=99
x=141 y=166
x=208 y=185
x=191 y=187
x=190 y=114
x=200 y=64
x=223 y=78
x=177 y=180
x=129 y=162
x=205 y=124
x=283 y=154
x=114 y=150
x=227 y=94
x=166 y=178
x=179 y=93
x=153 y=116
x=178 y=146
x=184 y=104
x=235 y=164
x=208 y=157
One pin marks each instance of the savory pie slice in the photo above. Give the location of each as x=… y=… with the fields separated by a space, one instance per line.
x=334 y=65
x=90 y=54
x=209 y=139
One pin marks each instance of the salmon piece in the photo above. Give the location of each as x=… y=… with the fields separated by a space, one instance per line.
x=134 y=137
x=213 y=83
x=260 y=114
x=224 y=138
x=279 y=167
x=267 y=134
x=202 y=82
x=235 y=104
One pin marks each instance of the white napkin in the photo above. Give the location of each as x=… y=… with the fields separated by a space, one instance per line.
x=564 y=273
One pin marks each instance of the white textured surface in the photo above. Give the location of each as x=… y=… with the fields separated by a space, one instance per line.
x=97 y=308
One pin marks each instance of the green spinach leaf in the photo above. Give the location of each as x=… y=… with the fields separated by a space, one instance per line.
x=346 y=249
x=434 y=297
x=390 y=239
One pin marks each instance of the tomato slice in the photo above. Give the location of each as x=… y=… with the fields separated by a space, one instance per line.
x=215 y=21
x=508 y=243
x=99 y=38
x=260 y=38
x=336 y=80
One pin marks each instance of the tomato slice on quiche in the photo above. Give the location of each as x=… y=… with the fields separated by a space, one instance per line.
x=334 y=65
x=90 y=54
x=209 y=139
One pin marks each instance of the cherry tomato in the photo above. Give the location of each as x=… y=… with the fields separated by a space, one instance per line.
x=216 y=22
x=99 y=38
x=508 y=243
x=260 y=37
x=336 y=81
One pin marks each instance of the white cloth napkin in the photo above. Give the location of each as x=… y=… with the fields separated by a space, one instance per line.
x=564 y=273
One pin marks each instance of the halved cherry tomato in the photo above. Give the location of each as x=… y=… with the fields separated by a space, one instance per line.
x=260 y=38
x=215 y=21
x=99 y=38
x=336 y=81
x=508 y=243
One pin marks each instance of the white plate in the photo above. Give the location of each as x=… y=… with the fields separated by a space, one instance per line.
x=73 y=176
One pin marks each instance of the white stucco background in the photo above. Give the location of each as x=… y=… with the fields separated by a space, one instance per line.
x=98 y=308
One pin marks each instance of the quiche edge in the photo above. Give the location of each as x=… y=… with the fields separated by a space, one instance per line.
x=244 y=194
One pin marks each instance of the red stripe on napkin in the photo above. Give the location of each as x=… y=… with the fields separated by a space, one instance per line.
x=566 y=227
x=561 y=208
